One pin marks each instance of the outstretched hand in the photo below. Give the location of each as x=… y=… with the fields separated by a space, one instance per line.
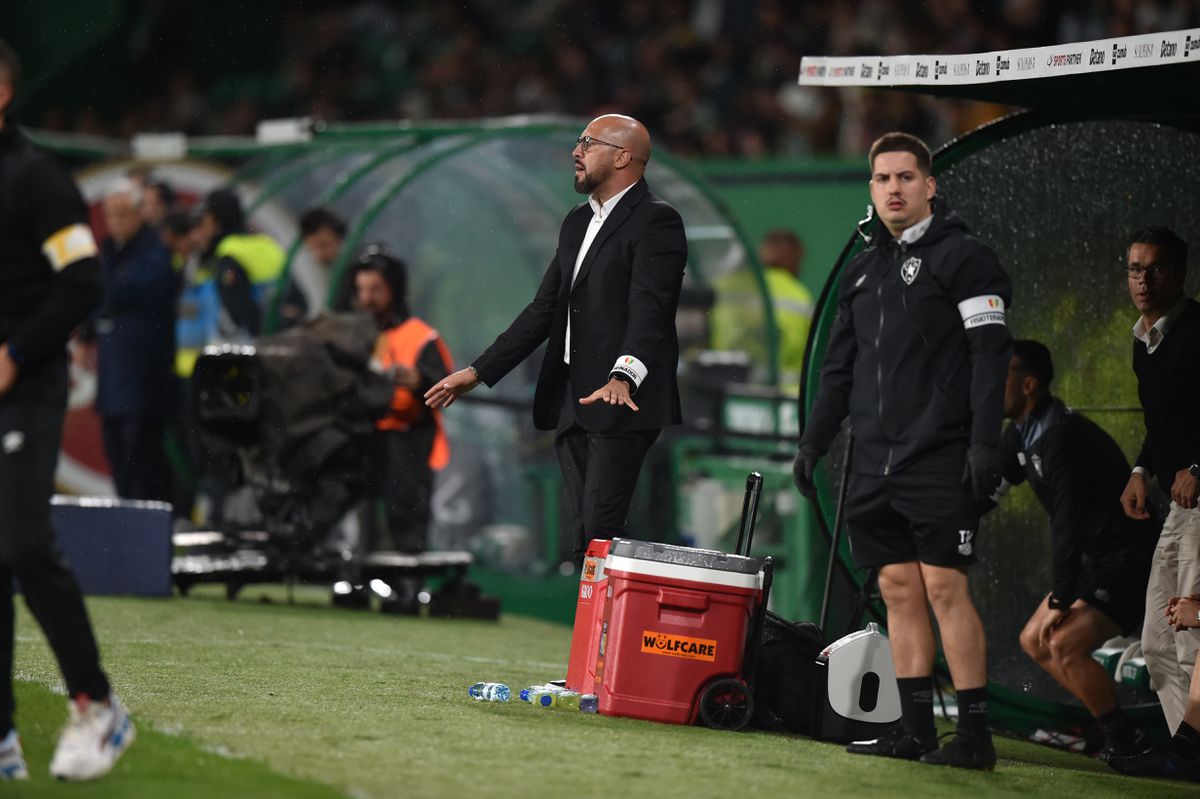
x=614 y=392
x=448 y=389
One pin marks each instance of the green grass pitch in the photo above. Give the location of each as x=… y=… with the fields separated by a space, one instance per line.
x=254 y=699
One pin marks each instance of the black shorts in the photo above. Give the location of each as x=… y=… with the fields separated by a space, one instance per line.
x=1115 y=585
x=916 y=514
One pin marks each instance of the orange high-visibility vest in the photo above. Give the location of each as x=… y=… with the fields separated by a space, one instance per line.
x=401 y=346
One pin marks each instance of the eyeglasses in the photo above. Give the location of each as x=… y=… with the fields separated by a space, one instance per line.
x=1152 y=272
x=585 y=143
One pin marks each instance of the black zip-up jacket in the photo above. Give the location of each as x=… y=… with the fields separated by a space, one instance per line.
x=918 y=354
x=49 y=270
x=1078 y=473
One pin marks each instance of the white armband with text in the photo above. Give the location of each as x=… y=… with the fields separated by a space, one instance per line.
x=986 y=309
x=632 y=368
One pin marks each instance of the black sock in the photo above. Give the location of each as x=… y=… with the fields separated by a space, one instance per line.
x=916 y=706
x=1118 y=732
x=972 y=711
x=1186 y=742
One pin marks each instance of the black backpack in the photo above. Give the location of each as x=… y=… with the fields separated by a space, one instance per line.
x=787 y=680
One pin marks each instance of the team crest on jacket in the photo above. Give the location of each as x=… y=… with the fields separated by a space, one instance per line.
x=909 y=269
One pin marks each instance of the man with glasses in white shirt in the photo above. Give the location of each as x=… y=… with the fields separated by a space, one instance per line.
x=1166 y=351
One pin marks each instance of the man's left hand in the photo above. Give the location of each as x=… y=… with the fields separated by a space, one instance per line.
x=614 y=392
x=1050 y=622
x=8 y=371
x=1185 y=490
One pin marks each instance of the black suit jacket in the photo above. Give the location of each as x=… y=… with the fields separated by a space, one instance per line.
x=623 y=303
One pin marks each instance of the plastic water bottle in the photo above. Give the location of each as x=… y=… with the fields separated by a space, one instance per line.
x=489 y=691
x=529 y=694
x=568 y=700
x=589 y=703
x=534 y=692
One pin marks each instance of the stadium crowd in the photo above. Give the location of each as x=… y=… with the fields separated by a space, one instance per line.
x=712 y=78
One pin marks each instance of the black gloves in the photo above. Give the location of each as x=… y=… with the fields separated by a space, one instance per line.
x=802 y=470
x=983 y=470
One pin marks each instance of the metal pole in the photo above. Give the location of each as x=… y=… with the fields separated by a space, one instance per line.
x=835 y=534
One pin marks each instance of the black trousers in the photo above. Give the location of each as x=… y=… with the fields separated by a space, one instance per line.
x=136 y=451
x=31 y=422
x=600 y=472
x=400 y=476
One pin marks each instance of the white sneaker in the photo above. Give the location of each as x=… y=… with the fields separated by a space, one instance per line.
x=12 y=760
x=96 y=735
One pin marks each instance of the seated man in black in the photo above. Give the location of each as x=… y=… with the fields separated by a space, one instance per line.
x=1101 y=557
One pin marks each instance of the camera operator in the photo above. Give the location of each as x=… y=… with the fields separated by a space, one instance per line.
x=410 y=443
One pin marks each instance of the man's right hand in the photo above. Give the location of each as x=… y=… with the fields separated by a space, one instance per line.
x=802 y=471
x=446 y=390
x=1133 y=498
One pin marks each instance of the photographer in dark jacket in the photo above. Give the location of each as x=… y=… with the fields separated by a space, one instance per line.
x=917 y=358
x=1101 y=557
x=49 y=283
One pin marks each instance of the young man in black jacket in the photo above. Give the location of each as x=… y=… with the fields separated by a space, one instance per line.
x=1166 y=351
x=1100 y=557
x=917 y=359
x=50 y=279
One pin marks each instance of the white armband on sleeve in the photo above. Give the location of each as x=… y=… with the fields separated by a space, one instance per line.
x=986 y=309
x=632 y=368
x=72 y=243
x=1142 y=470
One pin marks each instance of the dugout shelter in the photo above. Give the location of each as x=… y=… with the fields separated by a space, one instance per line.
x=1107 y=143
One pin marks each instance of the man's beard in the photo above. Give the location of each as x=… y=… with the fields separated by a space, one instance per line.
x=590 y=180
x=586 y=184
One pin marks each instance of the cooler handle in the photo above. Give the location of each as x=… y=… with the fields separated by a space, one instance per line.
x=684 y=601
x=754 y=483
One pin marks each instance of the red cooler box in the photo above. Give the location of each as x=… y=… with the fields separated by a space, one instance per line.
x=589 y=617
x=675 y=620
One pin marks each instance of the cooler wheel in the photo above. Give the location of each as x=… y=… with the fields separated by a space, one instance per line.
x=726 y=705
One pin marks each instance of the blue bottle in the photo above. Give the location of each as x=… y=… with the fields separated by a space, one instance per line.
x=489 y=691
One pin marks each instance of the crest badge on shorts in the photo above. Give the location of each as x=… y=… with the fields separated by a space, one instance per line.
x=909 y=269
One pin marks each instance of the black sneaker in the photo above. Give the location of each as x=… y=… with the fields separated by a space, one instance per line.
x=965 y=750
x=1157 y=762
x=1139 y=743
x=896 y=741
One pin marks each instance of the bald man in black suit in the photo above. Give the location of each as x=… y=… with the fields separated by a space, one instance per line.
x=606 y=309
